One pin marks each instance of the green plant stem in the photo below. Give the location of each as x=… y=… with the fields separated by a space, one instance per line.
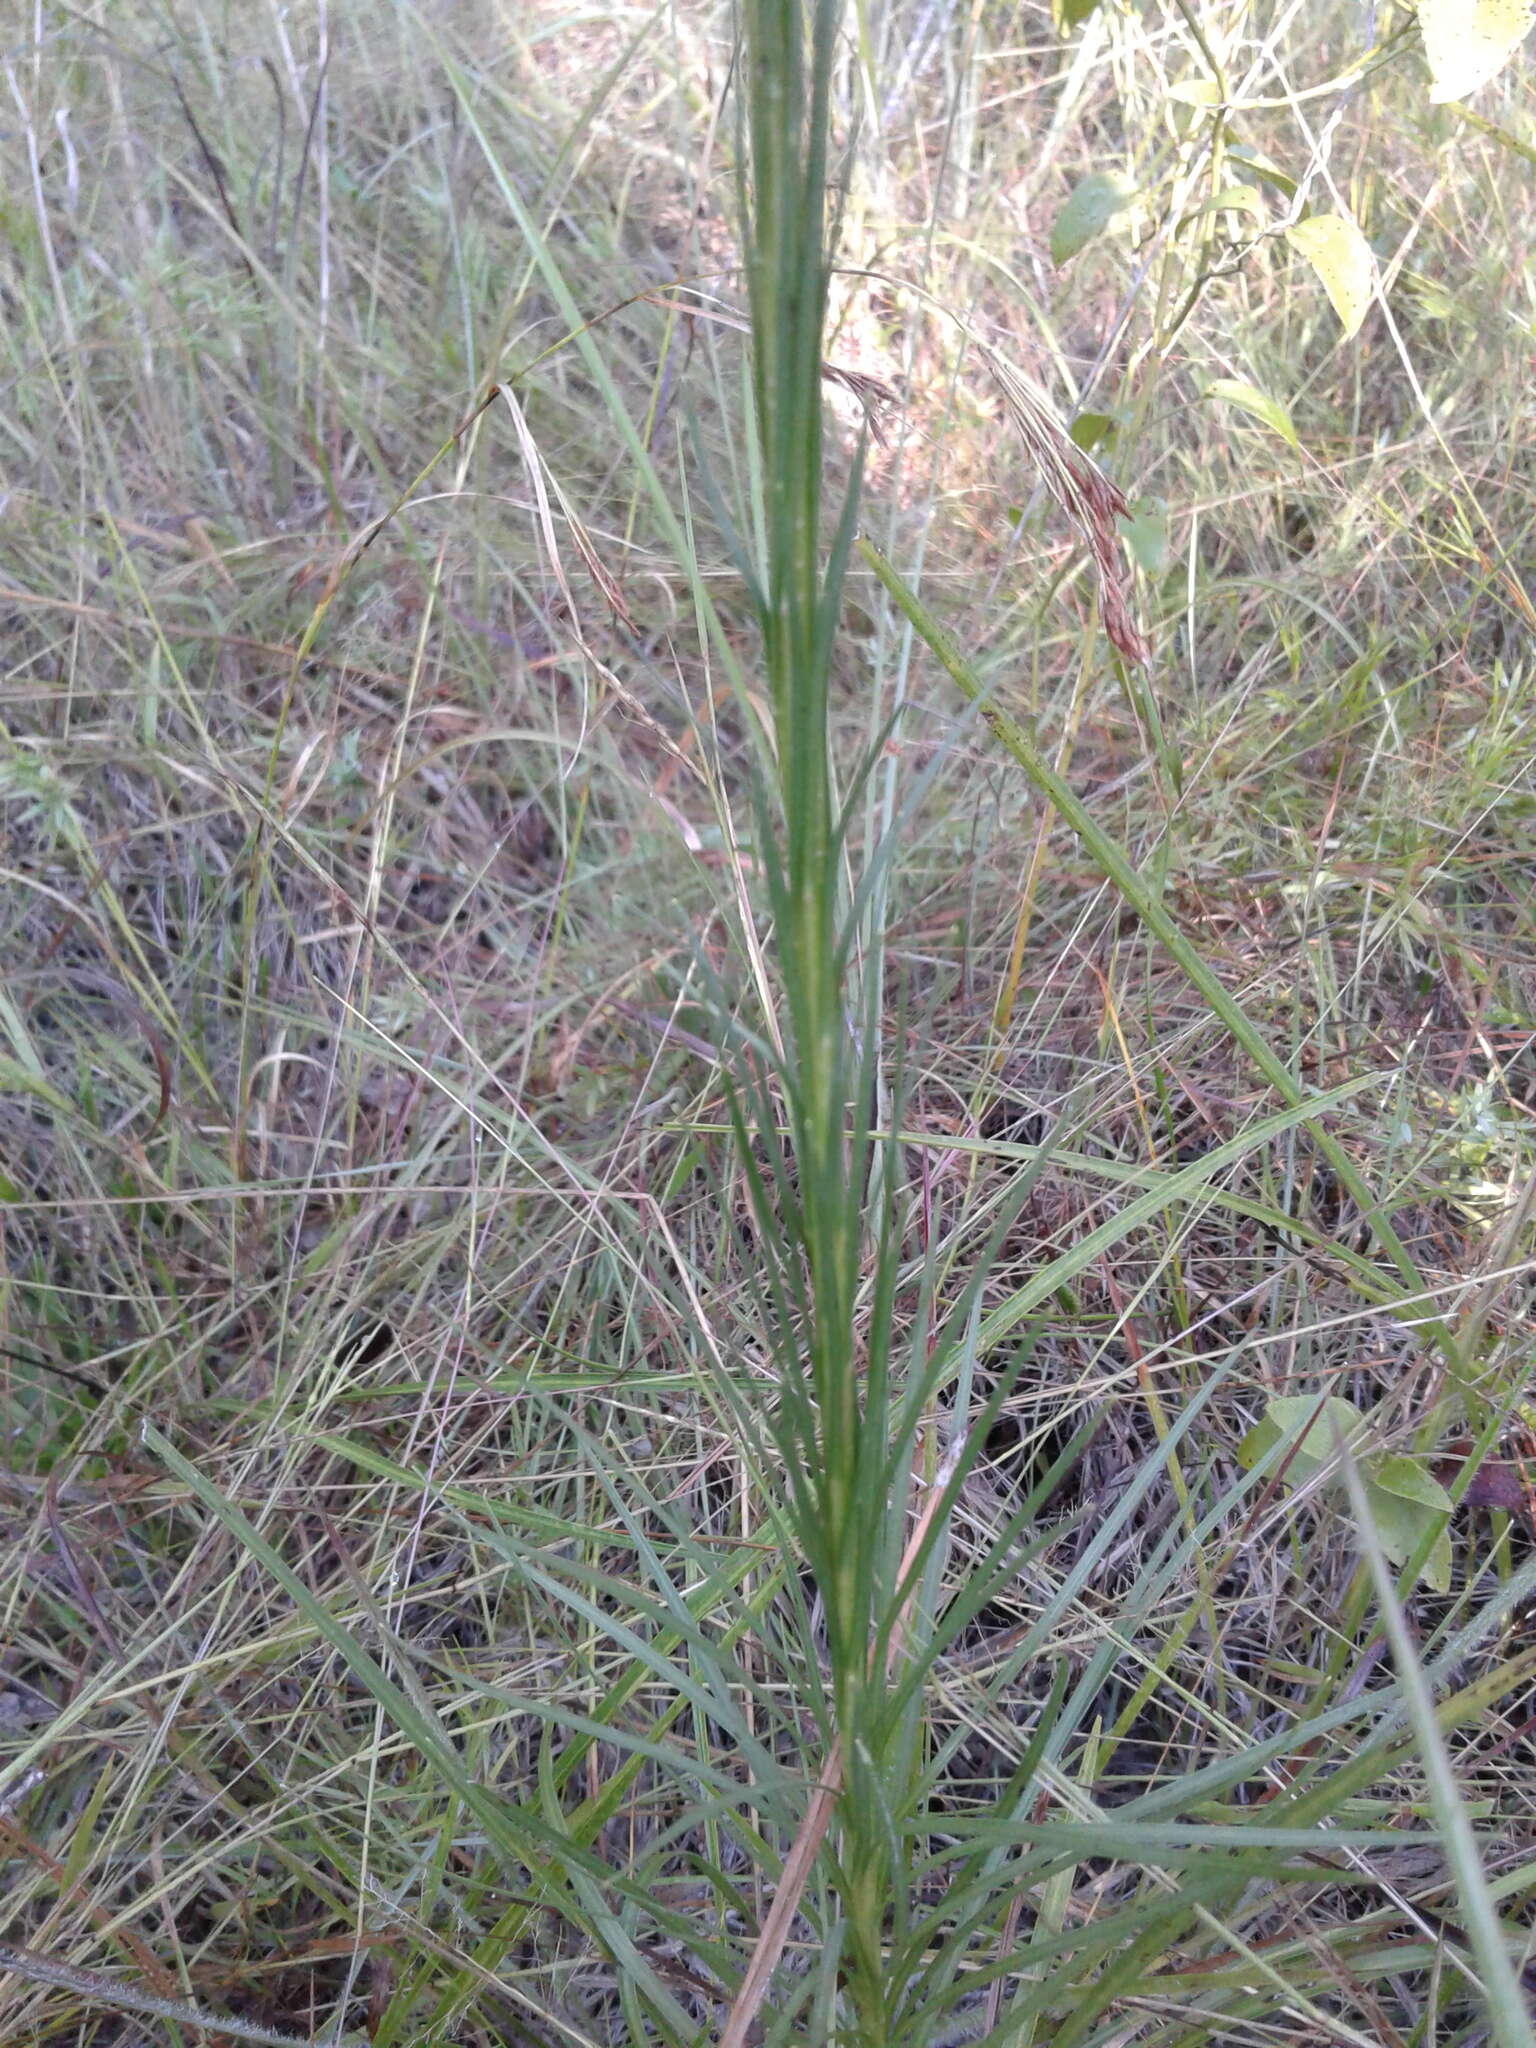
x=833 y=1415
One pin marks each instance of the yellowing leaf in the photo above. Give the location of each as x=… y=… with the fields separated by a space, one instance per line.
x=1248 y=398
x=1468 y=41
x=1233 y=199
x=1194 y=92
x=1341 y=256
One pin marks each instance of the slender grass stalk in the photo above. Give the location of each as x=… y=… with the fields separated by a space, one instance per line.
x=787 y=272
x=1507 y=2008
x=834 y=1414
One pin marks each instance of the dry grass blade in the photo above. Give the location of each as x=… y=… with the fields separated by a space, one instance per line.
x=875 y=395
x=1083 y=492
x=545 y=485
x=798 y=1866
x=117 y=1995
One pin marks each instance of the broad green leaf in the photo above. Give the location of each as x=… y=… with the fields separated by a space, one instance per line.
x=1341 y=256
x=1094 y=203
x=1316 y=1425
x=1070 y=14
x=1090 y=428
x=1145 y=533
x=1467 y=42
x=1406 y=1503
x=1410 y=1479
x=1248 y=398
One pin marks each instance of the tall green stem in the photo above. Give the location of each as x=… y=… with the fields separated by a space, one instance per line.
x=834 y=1419
x=787 y=85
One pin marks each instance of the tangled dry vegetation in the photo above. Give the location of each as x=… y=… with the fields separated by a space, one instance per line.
x=362 y=1123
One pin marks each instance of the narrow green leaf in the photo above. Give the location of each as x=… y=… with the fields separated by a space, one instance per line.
x=1139 y=1210
x=1342 y=258
x=21 y=1080
x=1095 y=201
x=518 y=1837
x=1148 y=1841
x=1497 y=134
x=1248 y=398
x=1503 y=1997
x=1245 y=157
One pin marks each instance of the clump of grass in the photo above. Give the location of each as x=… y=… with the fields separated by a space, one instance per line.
x=640 y=1251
